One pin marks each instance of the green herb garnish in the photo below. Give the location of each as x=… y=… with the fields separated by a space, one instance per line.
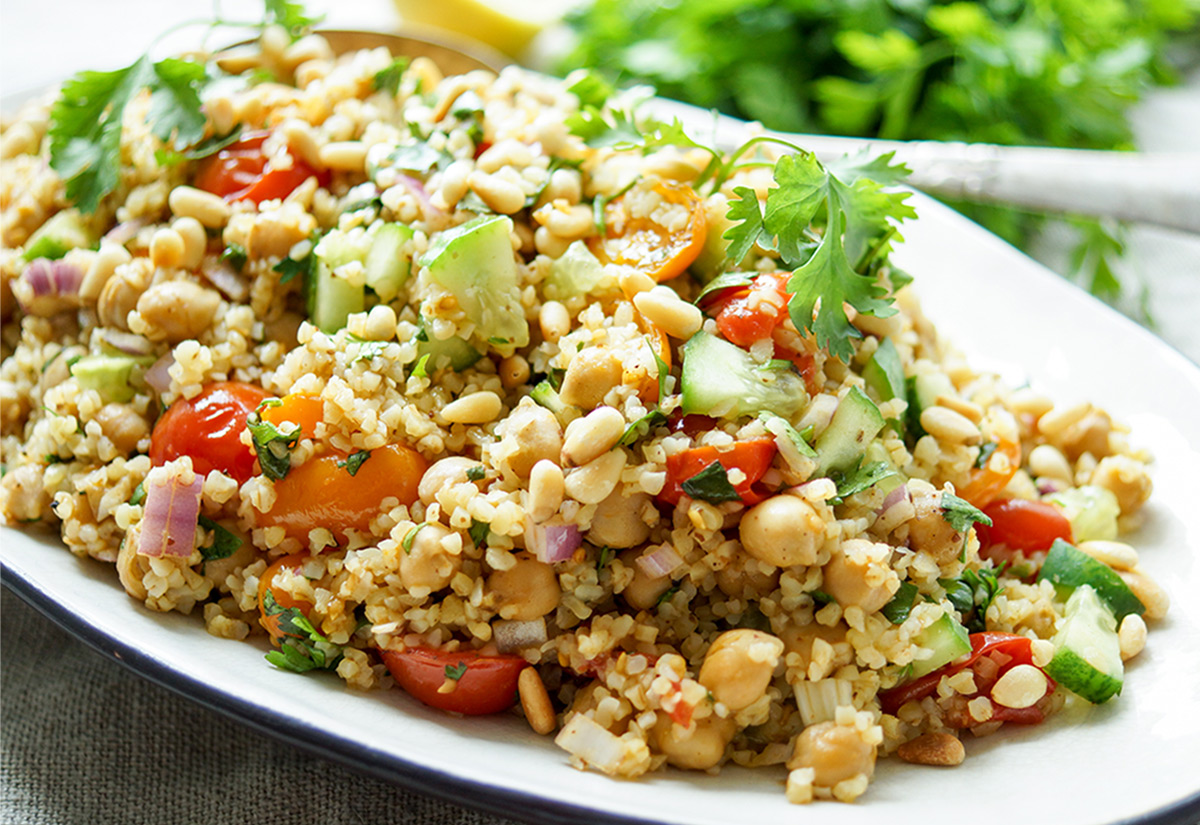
x=711 y=484
x=224 y=543
x=354 y=461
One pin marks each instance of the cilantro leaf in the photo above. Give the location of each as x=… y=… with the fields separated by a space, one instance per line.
x=972 y=594
x=175 y=101
x=290 y=14
x=664 y=372
x=456 y=672
x=410 y=536
x=388 y=78
x=820 y=596
x=777 y=426
x=604 y=558
x=273 y=446
x=961 y=514
x=863 y=476
x=642 y=427
x=235 y=255
x=897 y=610
x=421 y=369
x=224 y=543
x=476 y=473
x=354 y=461
x=591 y=89
x=711 y=484
x=208 y=146
x=803 y=189
x=727 y=280
x=667 y=595
x=743 y=235
x=985 y=454
x=139 y=494
x=303 y=647
x=479 y=532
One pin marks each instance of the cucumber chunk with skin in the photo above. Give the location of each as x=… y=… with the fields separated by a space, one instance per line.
x=58 y=236
x=389 y=260
x=855 y=423
x=110 y=375
x=947 y=639
x=1069 y=568
x=1092 y=511
x=722 y=380
x=1087 y=650
x=334 y=298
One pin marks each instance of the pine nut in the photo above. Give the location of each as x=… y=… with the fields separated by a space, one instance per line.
x=634 y=281
x=1028 y=401
x=595 y=481
x=504 y=153
x=535 y=701
x=299 y=137
x=960 y=405
x=166 y=248
x=947 y=425
x=188 y=202
x=564 y=185
x=17 y=140
x=344 y=155
x=110 y=256
x=549 y=244
x=454 y=182
x=1046 y=461
x=1116 y=554
x=1148 y=591
x=545 y=490
x=593 y=435
x=426 y=72
x=554 y=320
x=309 y=47
x=1055 y=422
x=220 y=111
x=473 y=408
x=514 y=371
x=499 y=194
x=564 y=221
x=666 y=310
x=1131 y=636
x=1020 y=687
x=450 y=92
x=195 y=242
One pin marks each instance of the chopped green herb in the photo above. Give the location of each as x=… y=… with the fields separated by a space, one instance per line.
x=52 y=458
x=456 y=672
x=972 y=594
x=985 y=453
x=354 y=461
x=604 y=558
x=777 y=425
x=291 y=15
x=208 y=146
x=273 y=446
x=601 y=202
x=138 y=495
x=591 y=89
x=862 y=477
x=728 y=280
x=368 y=349
x=421 y=369
x=897 y=610
x=235 y=256
x=642 y=427
x=388 y=79
x=224 y=543
x=498 y=341
x=407 y=541
x=476 y=473
x=302 y=647
x=820 y=596
x=962 y=514
x=419 y=158
x=664 y=372
x=479 y=532
x=667 y=595
x=711 y=484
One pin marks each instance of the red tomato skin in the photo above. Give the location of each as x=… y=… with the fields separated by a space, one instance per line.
x=208 y=429
x=743 y=317
x=241 y=171
x=489 y=684
x=1024 y=525
x=751 y=457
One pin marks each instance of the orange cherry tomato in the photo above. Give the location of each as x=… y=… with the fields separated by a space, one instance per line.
x=208 y=429
x=1023 y=525
x=660 y=344
x=753 y=458
x=488 y=684
x=241 y=171
x=750 y=313
x=283 y=598
x=640 y=242
x=305 y=410
x=987 y=482
x=322 y=493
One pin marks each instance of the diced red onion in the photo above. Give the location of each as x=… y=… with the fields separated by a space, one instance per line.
x=65 y=277
x=561 y=541
x=127 y=342
x=47 y=287
x=125 y=231
x=226 y=278
x=169 y=518
x=37 y=275
x=659 y=562
x=893 y=498
x=1050 y=486
x=432 y=213
x=510 y=635
x=157 y=377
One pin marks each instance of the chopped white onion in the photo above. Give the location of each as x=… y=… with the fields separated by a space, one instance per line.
x=127 y=342
x=158 y=377
x=584 y=738
x=511 y=635
x=171 y=510
x=659 y=562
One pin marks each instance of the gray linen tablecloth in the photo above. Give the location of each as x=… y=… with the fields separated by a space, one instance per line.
x=85 y=741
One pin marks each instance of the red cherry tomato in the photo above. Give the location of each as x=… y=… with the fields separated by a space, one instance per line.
x=241 y=171
x=1020 y=524
x=750 y=313
x=488 y=684
x=208 y=428
x=266 y=583
x=753 y=458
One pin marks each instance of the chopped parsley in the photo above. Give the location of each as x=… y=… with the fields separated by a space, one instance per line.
x=972 y=594
x=411 y=535
x=303 y=647
x=476 y=473
x=139 y=494
x=897 y=610
x=354 y=461
x=961 y=514
x=235 y=255
x=985 y=453
x=711 y=484
x=388 y=78
x=224 y=543
x=479 y=531
x=820 y=596
x=273 y=446
x=421 y=368
x=456 y=672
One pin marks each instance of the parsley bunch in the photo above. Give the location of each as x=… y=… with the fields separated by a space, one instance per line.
x=1039 y=72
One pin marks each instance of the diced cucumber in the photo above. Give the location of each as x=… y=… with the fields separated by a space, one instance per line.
x=711 y=261
x=947 y=639
x=333 y=298
x=883 y=373
x=1091 y=510
x=855 y=422
x=110 y=375
x=922 y=391
x=578 y=272
x=58 y=236
x=722 y=380
x=1069 y=568
x=876 y=452
x=389 y=260
x=454 y=353
x=545 y=394
x=1087 y=651
x=475 y=262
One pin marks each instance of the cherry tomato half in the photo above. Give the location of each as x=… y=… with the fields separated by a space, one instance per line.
x=208 y=428
x=241 y=171
x=1023 y=525
x=322 y=492
x=660 y=251
x=283 y=598
x=986 y=483
x=753 y=458
x=488 y=684
x=750 y=313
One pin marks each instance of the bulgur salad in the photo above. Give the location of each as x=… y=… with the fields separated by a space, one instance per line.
x=487 y=388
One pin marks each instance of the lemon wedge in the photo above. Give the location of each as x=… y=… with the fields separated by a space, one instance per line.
x=506 y=25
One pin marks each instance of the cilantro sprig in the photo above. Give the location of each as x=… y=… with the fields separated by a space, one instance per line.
x=301 y=647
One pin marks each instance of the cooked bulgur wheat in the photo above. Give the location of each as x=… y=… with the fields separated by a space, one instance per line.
x=531 y=525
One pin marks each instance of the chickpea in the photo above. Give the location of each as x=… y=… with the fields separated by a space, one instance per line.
x=618 y=521
x=178 y=310
x=429 y=564
x=526 y=591
x=743 y=578
x=118 y=298
x=929 y=531
x=534 y=433
x=834 y=752
x=441 y=474
x=800 y=640
x=1088 y=435
x=698 y=749
x=643 y=592
x=739 y=665
x=858 y=574
x=123 y=426
x=783 y=531
x=591 y=374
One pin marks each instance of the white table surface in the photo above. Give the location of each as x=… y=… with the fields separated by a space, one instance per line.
x=220 y=771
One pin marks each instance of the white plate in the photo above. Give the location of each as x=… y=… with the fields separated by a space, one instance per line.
x=1135 y=759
